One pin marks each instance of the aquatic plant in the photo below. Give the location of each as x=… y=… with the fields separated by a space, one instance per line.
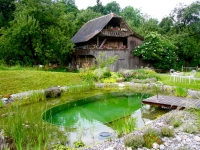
x=124 y=126
x=78 y=144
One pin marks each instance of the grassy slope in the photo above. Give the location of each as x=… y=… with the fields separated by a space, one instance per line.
x=14 y=81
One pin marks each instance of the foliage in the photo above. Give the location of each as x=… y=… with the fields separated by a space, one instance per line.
x=151 y=135
x=167 y=131
x=84 y=16
x=186 y=31
x=112 y=7
x=99 y=8
x=190 y=128
x=61 y=147
x=39 y=33
x=124 y=126
x=180 y=92
x=7 y=8
x=1 y=104
x=78 y=144
x=102 y=73
x=158 y=50
x=174 y=119
x=132 y=16
x=139 y=74
x=105 y=61
x=134 y=141
x=24 y=133
x=88 y=76
x=148 y=25
x=109 y=80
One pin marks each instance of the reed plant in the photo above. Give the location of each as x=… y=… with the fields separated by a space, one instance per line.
x=27 y=131
x=124 y=126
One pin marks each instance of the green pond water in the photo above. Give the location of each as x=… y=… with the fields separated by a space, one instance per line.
x=100 y=109
x=88 y=117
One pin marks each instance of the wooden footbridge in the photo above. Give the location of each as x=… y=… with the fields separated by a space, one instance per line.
x=172 y=102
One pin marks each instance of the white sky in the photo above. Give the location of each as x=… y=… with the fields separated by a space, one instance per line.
x=155 y=8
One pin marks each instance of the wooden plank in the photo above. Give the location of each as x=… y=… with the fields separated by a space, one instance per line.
x=172 y=101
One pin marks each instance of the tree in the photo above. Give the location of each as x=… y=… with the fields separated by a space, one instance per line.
x=166 y=24
x=40 y=32
x=7 y=7
x=99 y=8
x=158 y=50
x=132 y=16
x=149 y=25
x=84 y=16
x=112 y=7
x=186 y=34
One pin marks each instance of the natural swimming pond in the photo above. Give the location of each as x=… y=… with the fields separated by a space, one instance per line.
x=91 y=116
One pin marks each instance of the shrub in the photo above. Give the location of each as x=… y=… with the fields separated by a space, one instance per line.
x=190 y=128
x=175 y=121
x=174 y=118
x=78 y=144
x=166 y=131
x=151 y=135
x=181 y=92
x=134 y=141
x=102 y=73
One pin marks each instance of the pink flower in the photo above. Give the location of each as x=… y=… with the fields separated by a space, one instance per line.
x=3 y=115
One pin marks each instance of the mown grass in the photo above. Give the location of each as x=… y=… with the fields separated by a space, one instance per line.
x=15 y=81
x=165 y=79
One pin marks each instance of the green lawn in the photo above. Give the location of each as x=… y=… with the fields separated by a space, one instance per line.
x=165 y=79
x=14 y=81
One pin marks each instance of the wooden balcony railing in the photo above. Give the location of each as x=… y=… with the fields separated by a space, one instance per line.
x=115 y=33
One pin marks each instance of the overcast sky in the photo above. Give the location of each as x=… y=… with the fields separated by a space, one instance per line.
x=155 y=8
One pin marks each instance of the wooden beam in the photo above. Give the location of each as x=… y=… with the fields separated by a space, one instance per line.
x=103 y=42
x=97 y=41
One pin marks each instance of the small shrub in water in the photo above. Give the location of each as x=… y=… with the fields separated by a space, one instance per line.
x=78 y=144
x=151 y=135
x=167 y=131
x=134 y=141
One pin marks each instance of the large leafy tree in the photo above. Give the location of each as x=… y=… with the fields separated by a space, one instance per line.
x=112 y=7
x=99 y=8
x=84 y=16
x=132 y=16
x=157 y=50
x=40 y=32
x=186 y=33
x=7 y=8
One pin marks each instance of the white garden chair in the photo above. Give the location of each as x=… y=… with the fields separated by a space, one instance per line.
x=189 y=77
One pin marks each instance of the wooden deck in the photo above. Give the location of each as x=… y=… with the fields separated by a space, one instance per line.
x=172 y=102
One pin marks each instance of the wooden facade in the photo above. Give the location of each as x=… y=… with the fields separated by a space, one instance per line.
x=108 y=34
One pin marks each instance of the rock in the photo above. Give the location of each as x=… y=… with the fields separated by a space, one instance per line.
x=53 y=92
x=178 y=138
x=109 y=148
x=197 y=138
x=155 y=146
x=128 y=148
x=162 y=147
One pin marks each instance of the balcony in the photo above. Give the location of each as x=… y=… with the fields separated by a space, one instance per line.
x=114 y=33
